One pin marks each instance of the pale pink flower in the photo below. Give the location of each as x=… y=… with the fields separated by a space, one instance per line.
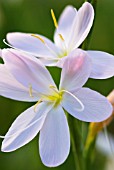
x=25 y=78
x=71 y=30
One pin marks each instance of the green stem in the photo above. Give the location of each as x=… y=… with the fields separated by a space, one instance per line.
x=74 y=140
x=74 y=150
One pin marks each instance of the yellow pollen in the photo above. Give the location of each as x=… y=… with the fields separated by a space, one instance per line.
x=61 y=37
x=55 y=97
x=36 y=36
x=38 y=102
x=54 y=88
x=54 y=19
x=30 y=90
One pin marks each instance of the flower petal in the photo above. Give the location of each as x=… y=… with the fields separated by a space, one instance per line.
x=81 y=25
x=76 y=70
x=64 y=25
x=70 y=101
x=49 y=62
x=102 y=64
x=28 y=71
x=25 y=127
x=54 y=141
x=96 y=107
x=11 y=88
x=33 y=45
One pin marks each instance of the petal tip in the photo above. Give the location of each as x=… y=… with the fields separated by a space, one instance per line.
x=54 y=164
x=3 y=149
x=108 y=113
x=88 y=6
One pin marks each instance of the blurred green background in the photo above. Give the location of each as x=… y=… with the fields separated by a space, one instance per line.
x=34 y=16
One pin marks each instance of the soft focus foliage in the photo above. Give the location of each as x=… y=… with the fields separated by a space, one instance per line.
x=34 y=16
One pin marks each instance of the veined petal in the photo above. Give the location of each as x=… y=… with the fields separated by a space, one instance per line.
x=33 y=45
x=49 y=62
x=64 y=25
x=81 y=25
x=76 y=70
x=102 y=64
x=72 y=104
x=25 y=127
x=11 y=88
x=28 y=71
x=96 y=107
x=54 y=141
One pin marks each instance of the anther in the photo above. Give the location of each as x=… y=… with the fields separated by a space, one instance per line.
x=54 y=88
x=37 y=36
x=54 y=19
x=30 y=90
x=61 y=37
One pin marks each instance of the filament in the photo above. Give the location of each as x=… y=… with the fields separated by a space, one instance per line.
x=42 y=40
x=54 y=88
x=4 y=41
x=56 y=26
x=38 y=102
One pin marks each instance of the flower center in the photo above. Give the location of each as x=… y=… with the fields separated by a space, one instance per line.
x=64 y=54
x=55 y=97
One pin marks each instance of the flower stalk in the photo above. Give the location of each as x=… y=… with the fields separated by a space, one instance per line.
x=76 y=141
x=74 y=148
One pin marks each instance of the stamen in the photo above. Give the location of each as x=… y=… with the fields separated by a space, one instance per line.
x=38 y=102
x=30 y=90
x=56 y=26
x=54 y=88
x=82 y=106
x=54 y=18
x=2 y=137
x=51 y=86
x=61 y=37
x=37 y=36
x=42 y=40
x=63 y=42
